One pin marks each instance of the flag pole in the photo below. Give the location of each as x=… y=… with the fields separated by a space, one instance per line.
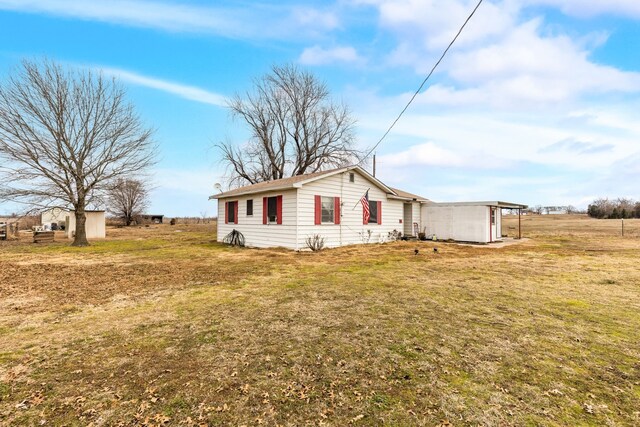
x=360 y=199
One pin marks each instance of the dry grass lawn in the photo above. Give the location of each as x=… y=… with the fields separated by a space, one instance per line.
x=158 y=327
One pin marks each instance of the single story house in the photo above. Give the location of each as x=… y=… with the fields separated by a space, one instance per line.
x=344 y=206
x=59 y=218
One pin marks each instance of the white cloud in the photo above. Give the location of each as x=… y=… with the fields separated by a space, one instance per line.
x=430 y=154
x=591 y=8
x=427 y=154
x=431 y=24
x=256 y=21
x=482 y=140
x=317 y=55
x=501 y=59
x=192 y=93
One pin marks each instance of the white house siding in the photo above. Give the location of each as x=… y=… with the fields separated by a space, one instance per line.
x=257 y=234
x=462 y=223
x=350 y=230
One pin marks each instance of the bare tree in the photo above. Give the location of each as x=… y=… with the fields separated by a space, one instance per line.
x=65 y=136
x=203 y=215
x=295 y=129
x=127 y=198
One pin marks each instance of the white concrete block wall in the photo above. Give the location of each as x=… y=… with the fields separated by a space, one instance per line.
x=462 y=223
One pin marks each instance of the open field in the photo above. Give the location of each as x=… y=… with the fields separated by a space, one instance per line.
x=157 y=327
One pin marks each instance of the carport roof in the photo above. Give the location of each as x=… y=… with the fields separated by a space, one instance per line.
x=497 y=204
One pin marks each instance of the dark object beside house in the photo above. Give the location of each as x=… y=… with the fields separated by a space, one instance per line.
x=235 y=238
x=154 y=219
x=147 y=219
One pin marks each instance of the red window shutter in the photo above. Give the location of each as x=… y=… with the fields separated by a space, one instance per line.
x=264 y=210
x=336 y=210
x=279 y=209
x=236 y=211
x=226 y=212
x=379 y=212
x=318 y=210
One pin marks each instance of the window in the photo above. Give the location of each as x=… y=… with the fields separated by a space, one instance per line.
x=352 y=177
x=328 y=209
x=231 y=213
x=250 y=207
x=373 y=212
x=272 y=209
x=493 y=216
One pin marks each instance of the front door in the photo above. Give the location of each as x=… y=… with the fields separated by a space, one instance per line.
x=407 y=220
x=493 y=229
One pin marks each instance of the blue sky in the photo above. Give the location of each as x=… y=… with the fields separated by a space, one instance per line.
x=537 y=103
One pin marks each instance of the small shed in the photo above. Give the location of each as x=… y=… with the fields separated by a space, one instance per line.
x=95 y=226
x=476 y=222
x=60 y=218
x=54 y=218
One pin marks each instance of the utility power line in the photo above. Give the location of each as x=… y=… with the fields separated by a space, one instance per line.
x=424 y=81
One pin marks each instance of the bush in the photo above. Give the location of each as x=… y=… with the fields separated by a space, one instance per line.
x=315 y=242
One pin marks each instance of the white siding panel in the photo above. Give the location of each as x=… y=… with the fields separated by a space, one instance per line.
x=256 y=233
x=351 y=230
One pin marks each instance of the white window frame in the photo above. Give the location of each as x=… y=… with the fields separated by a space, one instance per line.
x=332 y=202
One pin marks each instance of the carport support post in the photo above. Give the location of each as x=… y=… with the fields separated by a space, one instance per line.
x=519 y=223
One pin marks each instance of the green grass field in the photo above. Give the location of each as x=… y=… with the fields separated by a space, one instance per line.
x=158 y=327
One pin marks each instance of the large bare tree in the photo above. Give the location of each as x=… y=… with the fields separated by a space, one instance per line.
x=65 y=137
x=127 y=198
x=295 y=128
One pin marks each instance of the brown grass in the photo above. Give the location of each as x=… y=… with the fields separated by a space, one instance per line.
x=154 y=326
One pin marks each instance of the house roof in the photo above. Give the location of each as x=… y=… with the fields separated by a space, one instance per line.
x=297 y=181
x=406 y=195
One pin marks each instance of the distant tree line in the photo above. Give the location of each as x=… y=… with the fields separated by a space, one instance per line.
x=618 y=208
x=540 y=210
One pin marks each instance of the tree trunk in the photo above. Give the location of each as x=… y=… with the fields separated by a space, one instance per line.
x=80 y=238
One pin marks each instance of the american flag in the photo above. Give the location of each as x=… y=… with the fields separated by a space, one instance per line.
x=365 y=208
